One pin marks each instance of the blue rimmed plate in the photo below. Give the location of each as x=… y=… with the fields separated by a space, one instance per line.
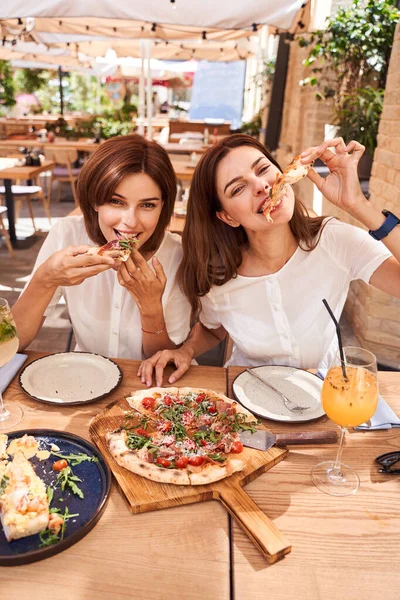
x=95 y=485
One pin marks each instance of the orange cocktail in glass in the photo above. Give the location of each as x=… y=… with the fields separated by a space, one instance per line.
x=352 y=401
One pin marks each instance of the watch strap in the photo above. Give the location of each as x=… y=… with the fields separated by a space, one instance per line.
x=390 y=223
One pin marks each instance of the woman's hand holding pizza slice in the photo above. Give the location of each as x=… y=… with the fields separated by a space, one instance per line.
x=72 y=265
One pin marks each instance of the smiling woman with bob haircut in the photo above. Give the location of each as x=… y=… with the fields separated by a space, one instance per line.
x=129 y=309
x=263 y=282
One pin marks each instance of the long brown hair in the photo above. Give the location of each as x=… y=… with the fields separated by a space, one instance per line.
x=212 y=250
x=105 y=169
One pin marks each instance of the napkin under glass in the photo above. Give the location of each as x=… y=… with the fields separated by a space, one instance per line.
x=10 y=369
x=383 y=418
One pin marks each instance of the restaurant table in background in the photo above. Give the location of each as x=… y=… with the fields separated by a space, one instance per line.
x=82 y=145
x=10 y=173
x=343 y=548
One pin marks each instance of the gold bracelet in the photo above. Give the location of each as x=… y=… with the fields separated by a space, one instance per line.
x=154 y=332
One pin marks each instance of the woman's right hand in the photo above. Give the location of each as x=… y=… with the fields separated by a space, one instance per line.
x=72 y=265
x=156 y=364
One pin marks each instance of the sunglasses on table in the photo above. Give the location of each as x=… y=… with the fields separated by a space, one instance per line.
x=388 y=461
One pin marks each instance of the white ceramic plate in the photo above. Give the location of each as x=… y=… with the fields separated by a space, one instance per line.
x=70 y=378
x=300 y=386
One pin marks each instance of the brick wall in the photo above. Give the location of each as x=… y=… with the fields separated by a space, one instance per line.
x=375 y=315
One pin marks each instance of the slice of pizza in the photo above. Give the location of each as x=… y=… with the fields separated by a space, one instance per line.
x=119 y=249
x=293 y=173
x=181 y=436
x=24 y=506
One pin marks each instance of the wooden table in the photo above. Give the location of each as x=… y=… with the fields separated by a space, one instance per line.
x=8 y=173
x=180 y=553
x=184 y=171
x=82 y=145
x=342 y=548
x=175 y=148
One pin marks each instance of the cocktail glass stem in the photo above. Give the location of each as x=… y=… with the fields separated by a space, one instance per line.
x=336 y=473
x=4 y=413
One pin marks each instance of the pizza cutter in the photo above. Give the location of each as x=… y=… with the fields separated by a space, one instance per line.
x=262 y=439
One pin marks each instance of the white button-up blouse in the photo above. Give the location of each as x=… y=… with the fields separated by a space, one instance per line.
x=280 y=318
x=104 y=316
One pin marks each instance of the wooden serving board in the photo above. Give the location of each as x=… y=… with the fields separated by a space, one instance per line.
x=144 y=495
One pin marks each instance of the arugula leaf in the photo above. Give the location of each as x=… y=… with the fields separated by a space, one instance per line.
x=217 y=457
x=50 y=493
x=66 y=479
x=3 y=484
x=49 y=537
x=76 y=459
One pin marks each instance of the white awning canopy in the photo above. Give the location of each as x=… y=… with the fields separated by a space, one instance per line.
x=202 y=14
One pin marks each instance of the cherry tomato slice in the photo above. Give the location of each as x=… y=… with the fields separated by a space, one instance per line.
x=196 y=461
x=213 y=409
x=148 y=402
x=200 y=397
x=182 y=462
x=142 y=432
x=59 y=465
x=237 y=447
x=203 y=442
x=167 y=400
x=163 y=462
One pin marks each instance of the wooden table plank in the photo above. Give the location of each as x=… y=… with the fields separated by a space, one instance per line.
x=15 y=172
x=176 y=553
x=345 y=548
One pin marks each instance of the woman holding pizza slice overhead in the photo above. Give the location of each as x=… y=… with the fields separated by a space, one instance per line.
x=257 y=265
x=123 y=298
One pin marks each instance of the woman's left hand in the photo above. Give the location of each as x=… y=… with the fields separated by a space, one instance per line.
x=144 y=285
x=341 y=186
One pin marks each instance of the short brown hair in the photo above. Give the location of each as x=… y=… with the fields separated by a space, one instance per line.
x=212 y=250
x=105 y=169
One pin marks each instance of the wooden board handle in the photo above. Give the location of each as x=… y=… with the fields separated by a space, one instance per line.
x=307 y=437
x=260 y=529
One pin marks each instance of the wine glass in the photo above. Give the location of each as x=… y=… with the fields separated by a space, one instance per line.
x=349 y=398
x=10 y=414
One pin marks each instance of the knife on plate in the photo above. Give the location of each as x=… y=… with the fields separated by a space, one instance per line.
x=262 y=439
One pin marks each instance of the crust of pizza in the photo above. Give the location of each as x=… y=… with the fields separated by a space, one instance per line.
x=128 y=458
x=24 y=506
x=207 y=473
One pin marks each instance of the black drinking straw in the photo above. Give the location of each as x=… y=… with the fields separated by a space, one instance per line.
x=328 y=308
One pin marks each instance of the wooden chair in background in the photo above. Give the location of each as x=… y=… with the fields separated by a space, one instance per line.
x=4 y=231
x=25 y=193
x=64 y=171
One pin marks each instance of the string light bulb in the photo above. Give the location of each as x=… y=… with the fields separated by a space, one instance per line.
x=204 y=35
x=153 y=27
x=254 y=26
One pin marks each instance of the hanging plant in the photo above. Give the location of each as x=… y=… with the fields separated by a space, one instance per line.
x=355 y=45
x=7 y=89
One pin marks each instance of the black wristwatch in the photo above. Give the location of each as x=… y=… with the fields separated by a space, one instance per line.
x=390 y=223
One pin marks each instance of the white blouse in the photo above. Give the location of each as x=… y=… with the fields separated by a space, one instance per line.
x=104 y=316
x=280 y=318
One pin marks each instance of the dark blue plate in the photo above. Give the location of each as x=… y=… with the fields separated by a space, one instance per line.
x=95 y=485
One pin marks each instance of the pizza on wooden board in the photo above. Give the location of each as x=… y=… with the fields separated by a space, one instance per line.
x=181 y=436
